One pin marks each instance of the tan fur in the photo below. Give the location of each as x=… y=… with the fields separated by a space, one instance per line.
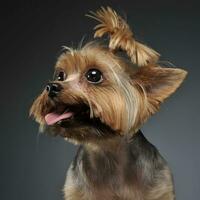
x=121 y=36
x=128 y=96
x=130 y=92
x=156 y=83
x=162 y=188
x=94 y=55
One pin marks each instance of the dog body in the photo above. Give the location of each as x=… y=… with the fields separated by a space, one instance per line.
x=99 y=99
x=122 y=169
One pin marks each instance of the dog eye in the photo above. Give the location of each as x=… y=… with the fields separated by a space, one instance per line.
x=60 y=76
x=94 y=76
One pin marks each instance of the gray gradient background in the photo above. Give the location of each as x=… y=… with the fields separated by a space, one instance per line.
x=33 y=166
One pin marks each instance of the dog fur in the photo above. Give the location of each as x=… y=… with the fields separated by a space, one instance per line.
x=114 y=161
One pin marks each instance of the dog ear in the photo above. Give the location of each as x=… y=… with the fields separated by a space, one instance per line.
x=158 y=83
x=121 y=37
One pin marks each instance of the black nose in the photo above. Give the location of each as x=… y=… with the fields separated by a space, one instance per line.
x=53 y=89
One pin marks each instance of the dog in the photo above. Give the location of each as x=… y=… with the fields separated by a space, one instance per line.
x=100 y=96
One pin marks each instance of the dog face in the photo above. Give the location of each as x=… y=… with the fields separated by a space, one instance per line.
x=91 y=90
x=97 y=94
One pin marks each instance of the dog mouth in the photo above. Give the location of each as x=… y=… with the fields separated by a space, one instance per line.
x=74 y=121
x=66 y=113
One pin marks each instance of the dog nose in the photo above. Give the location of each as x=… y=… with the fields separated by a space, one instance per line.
x=53 y=89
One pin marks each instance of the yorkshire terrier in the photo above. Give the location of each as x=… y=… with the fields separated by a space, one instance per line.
x=100 y=96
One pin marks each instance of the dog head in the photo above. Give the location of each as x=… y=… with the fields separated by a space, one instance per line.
x=98 y=94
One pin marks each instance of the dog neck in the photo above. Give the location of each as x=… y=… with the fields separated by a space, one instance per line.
x=108 y=159
x=113 y=145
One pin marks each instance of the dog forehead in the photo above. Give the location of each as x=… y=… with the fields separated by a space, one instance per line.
x=88 y=57
x=71 y=62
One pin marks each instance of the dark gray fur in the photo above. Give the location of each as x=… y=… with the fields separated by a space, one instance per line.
x=138 y=163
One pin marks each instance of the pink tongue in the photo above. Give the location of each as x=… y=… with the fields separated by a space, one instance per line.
x=52 y=118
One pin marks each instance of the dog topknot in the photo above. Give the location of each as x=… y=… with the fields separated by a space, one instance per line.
x=121 y=36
